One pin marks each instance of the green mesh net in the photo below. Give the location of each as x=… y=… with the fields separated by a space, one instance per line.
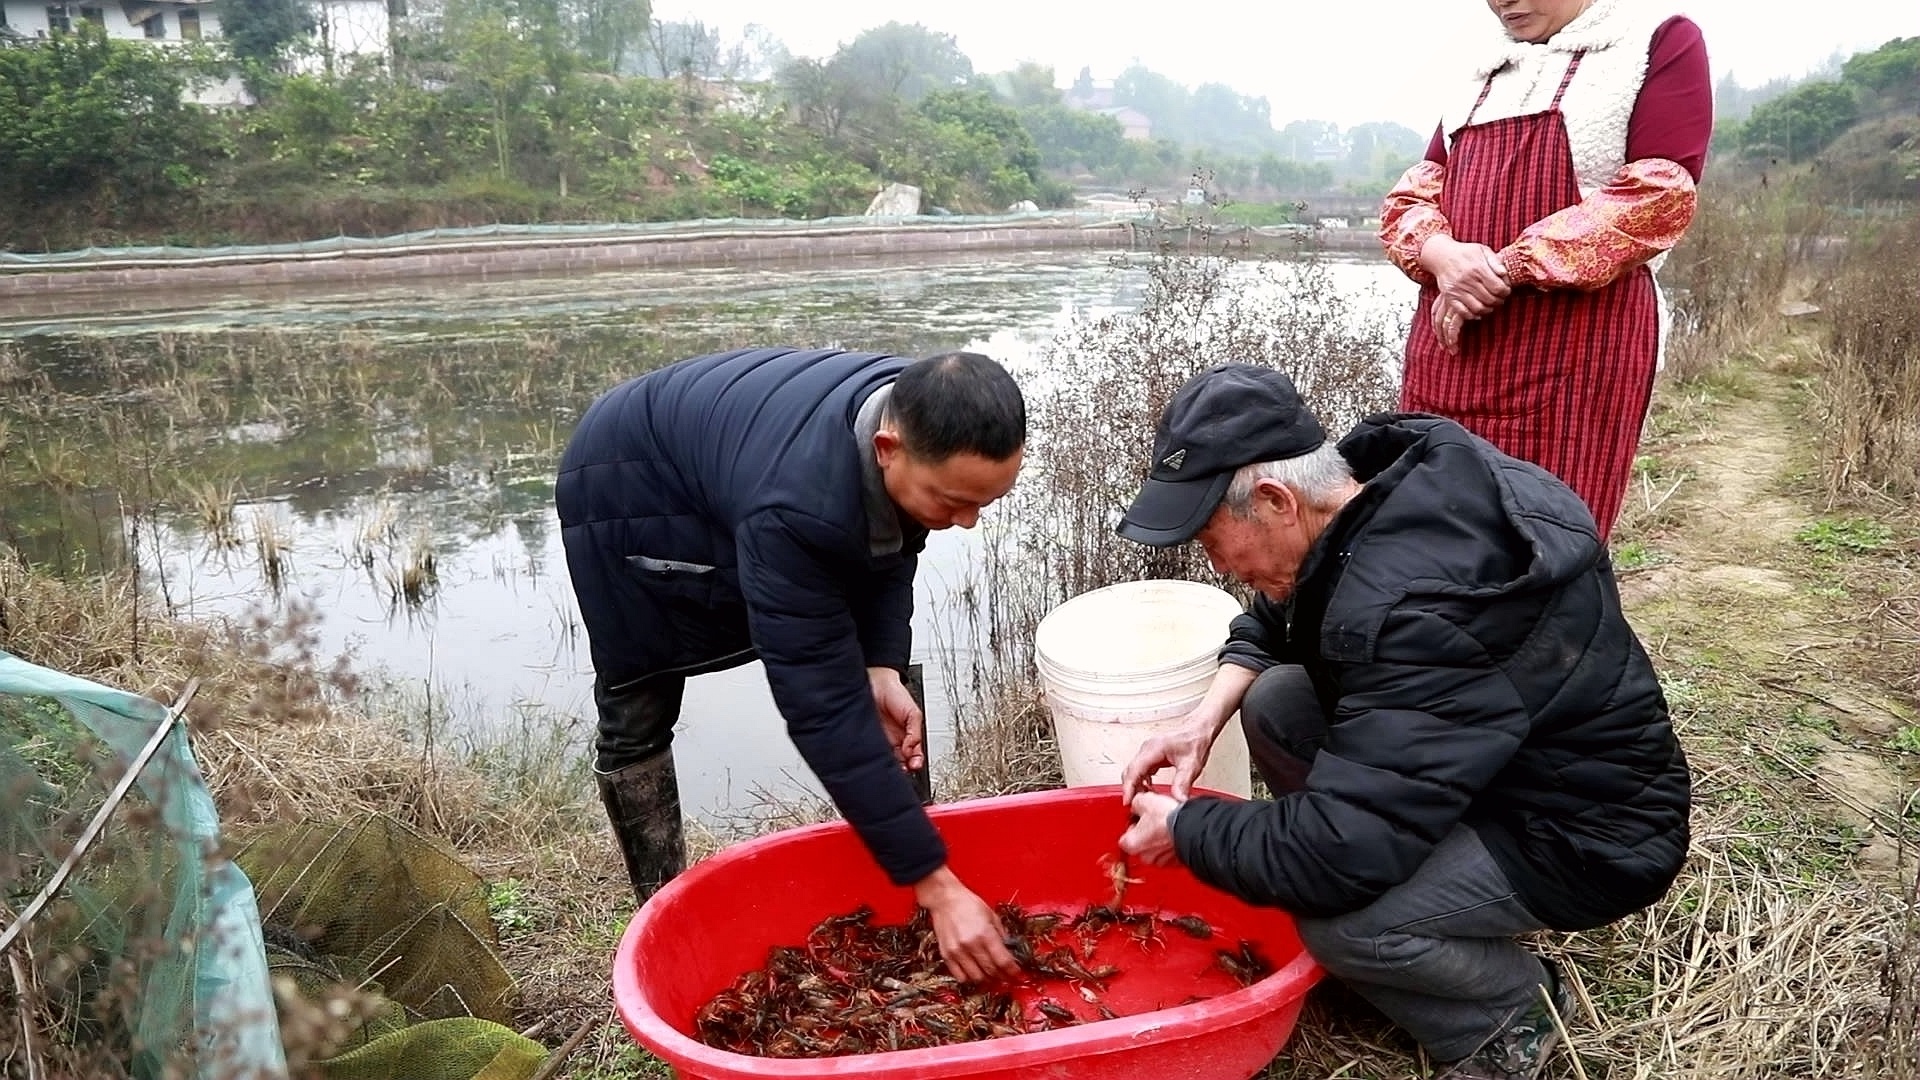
x=373 y=905
x=155 y=961
x=148 y=961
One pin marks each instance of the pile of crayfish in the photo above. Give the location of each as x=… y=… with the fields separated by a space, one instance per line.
x=860 y=988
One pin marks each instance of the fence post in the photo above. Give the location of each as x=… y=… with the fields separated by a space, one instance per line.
x=922 y=777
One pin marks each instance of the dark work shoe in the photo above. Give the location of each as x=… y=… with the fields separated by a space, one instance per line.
x=1521 y=1049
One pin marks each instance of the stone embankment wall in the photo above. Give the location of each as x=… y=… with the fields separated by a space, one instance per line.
x=559 y=255
x=27 y=286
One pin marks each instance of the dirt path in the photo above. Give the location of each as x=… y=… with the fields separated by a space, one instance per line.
x=1765 y=637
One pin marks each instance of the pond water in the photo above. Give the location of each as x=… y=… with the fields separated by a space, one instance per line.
x=382 y=459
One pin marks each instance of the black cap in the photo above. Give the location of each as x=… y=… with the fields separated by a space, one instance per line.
x=1222 y=419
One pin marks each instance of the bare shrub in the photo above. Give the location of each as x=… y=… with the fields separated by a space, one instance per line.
x=1725 y=279
x=1868 y=395
x=1105 y=382
x=1897 y=1052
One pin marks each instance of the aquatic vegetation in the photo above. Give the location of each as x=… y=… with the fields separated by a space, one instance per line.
x=413 y=583
x=213 y=502
x=270 y=544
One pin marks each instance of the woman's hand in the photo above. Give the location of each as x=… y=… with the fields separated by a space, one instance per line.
x=1472 y=282
x=1470 y=276
x=1449 y=318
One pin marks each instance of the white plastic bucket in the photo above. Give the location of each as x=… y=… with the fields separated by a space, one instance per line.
x=1128 y=662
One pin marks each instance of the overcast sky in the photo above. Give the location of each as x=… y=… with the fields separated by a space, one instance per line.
x=1341 y=61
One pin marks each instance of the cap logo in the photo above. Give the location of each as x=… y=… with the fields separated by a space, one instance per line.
x=1175 y=460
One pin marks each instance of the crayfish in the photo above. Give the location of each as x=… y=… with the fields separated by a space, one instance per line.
x=858 y=987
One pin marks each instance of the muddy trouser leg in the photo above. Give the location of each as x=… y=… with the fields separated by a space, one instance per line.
x=634 y=768
x=1284 y=725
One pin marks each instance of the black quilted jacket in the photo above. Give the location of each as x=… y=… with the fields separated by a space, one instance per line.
x=1461 y=625
x=711 y=512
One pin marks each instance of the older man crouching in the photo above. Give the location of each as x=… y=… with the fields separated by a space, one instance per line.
x=1464 y=739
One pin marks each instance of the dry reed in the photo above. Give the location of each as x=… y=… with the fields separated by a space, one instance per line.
x=1868 y=394
x=1742 y=972
x=1093 y=414
x=1725 y=280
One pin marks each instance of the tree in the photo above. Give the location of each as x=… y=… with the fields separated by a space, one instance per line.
x=681 y=50
x=1220 y=118
x=1300 y=139
x=506 y=54
x=1069 y=138
x=1378 y=150
x=757 y=55
x=1162 y=99
x=1278 y=173
x=1213 y=116
x=820 y=98
x=84 y=117
x=979 y=116
x=606 y=33
x=904 y=61
x=257 y=32
x=1892 y=69
x=1027 y=86
x=1801 y=123
x=860 y=97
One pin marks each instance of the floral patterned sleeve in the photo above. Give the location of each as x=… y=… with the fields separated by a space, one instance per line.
x=1642 y=213
x=1411 y=216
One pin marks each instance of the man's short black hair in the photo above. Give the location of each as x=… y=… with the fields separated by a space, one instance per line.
x=958 y=403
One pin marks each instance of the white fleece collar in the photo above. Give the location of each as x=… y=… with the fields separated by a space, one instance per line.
x=1604 y=24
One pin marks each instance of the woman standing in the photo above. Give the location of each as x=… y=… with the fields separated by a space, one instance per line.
x=1560 y=170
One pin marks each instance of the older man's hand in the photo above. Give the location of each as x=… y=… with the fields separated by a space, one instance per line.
x=1148 y=838
x=1184 y=750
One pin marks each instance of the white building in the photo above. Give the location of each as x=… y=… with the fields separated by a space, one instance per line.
x=171 y=20
x=342 y=29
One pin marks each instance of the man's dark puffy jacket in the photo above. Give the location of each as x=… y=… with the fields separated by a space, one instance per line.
x=1462 y=629
x=712 y=511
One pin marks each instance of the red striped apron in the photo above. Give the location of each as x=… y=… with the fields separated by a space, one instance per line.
x=1558 y=377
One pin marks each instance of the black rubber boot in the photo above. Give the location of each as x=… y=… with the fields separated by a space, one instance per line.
x=643 y=803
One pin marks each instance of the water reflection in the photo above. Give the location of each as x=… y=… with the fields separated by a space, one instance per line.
x=395 y=436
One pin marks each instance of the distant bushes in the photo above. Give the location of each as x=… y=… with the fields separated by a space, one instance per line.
x=1799 y=124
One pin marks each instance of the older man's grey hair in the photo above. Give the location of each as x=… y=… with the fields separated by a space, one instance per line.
x=1318 y=477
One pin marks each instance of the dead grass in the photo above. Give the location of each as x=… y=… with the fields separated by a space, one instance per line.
x=1868 y=393
x=1751 y=966
x=1742 y=971
x=1726 y=279
x=1788 y=947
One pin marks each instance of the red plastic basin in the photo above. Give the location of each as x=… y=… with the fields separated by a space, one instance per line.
x=1041 y=851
